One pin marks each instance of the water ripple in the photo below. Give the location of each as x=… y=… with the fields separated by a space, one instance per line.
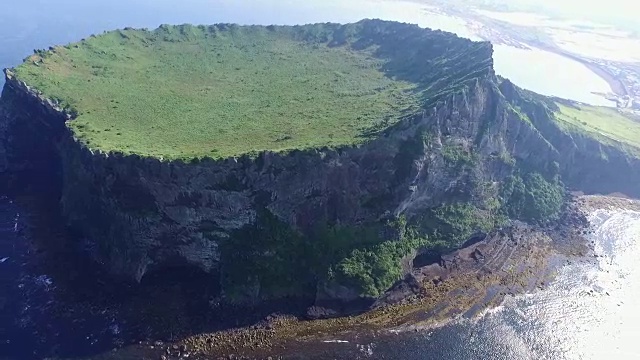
x=588 y=312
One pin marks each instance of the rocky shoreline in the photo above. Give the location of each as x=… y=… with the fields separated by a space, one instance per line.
x=517 y=259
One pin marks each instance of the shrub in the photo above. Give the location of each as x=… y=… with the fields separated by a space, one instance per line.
x=456 y=223
x=533 y=198
x=456 y=155
x=375 y=269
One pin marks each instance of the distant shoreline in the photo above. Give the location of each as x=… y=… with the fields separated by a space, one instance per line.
x=504 y=33
x=617 y=86
x=514 y=260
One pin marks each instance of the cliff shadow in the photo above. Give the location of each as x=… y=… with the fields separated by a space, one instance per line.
x=59 y=303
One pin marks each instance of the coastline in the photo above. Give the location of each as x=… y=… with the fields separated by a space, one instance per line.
x=500 y=32
x=515 y=260
x=617 y=86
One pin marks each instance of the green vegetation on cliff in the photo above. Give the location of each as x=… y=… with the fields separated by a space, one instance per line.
x=533 y=198
x=375 y=269
x=270 y=259
x=457 y=222
x=457 y=155
x=604 y=124
x=225 y=90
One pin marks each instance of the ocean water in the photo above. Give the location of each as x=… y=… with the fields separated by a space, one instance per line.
x=35 y=24
x=560 y=76
x=39 y=315
x=589 y=312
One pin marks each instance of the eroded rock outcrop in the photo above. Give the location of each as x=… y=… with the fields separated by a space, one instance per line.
x=138 y=214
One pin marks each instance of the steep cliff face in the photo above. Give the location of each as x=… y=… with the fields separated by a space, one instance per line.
x=586 y=164
x=250 y=218
x=30 y=128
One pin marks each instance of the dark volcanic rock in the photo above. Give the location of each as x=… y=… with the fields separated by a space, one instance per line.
x=407 y=287
x=318 y=312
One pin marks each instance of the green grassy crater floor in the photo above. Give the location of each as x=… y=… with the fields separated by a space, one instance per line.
x=217 y=91
x=605 y=124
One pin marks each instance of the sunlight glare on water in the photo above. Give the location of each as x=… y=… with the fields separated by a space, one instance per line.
x=590 y=312
x=614 y=330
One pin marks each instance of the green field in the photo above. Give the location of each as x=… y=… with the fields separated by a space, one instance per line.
x=186 y=91
x=605 y=124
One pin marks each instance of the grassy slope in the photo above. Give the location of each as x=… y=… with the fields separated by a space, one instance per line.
x=605 y=124
x=183 y=92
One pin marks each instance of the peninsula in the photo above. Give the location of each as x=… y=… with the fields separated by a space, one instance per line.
x=337 y=164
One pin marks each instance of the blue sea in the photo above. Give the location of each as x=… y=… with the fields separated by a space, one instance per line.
x=589 y=312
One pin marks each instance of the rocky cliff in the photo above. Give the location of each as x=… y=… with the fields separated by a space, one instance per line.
x=585 y=163
x=282 y=224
